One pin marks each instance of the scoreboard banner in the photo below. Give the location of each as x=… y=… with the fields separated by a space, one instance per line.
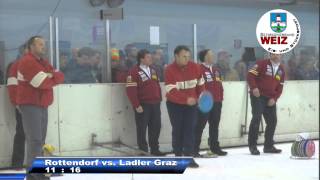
x=76 y=165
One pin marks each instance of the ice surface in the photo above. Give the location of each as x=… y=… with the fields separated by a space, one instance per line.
x=237 y=165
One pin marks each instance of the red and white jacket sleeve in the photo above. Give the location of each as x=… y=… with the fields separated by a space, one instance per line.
x=132 y=89
x=12 y=82
x=171 y=88
x=252 y=76
x=37 y=77
x=57 y=76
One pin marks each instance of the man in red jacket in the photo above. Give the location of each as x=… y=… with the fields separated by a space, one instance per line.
x=184 y=83
x=36 y=78
x=213 y=84
x=12 y=85
x=144 y=93
x=265 y=79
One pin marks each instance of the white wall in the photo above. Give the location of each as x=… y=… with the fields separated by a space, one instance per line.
x=103 y=109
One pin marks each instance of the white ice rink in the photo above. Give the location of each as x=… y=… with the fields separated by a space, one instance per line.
x=237 y=165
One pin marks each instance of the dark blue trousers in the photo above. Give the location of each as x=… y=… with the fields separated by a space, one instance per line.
x=259 y=108
x=183 y=121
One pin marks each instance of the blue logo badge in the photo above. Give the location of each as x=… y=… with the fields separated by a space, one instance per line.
x=278 y=22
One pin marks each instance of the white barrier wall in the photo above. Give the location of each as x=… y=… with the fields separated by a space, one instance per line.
x=103 y=109
x=7 y=128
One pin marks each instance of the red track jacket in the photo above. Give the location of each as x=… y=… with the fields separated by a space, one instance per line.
x=12 y=82
x=183 y=82
x=261 y=76
x=34 y=82
x=141 y=88
x=213 y=82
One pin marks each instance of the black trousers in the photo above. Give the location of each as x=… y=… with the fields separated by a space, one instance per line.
x=259 y=108
x=183 y=120
x=213 y=117
x=18 y=143
x=150 y=118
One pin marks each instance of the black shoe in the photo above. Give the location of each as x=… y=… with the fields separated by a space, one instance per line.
x=217 y=150
x=271 y=149
x=143 y=153
x=157 y=153
x=254 y=150
x=193 y=164
x=197 y=155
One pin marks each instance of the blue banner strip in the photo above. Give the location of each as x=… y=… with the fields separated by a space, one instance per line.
x=12 y=176
x=166 y=165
